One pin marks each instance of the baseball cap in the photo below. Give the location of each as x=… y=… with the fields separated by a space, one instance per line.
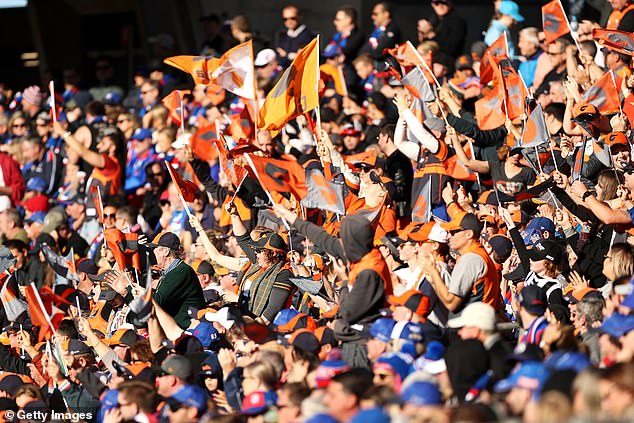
x=136 y=371
x=141 y=134
x=616 y=139
x=165 y=239
x=349 y=129
x=221 y=316
x=86 y=265
x=264 y=57
x=327 y=370
x=537 y=229
x=567 y=360
x=511 y=9
x=271 y=241
x=530 y=375
x=76 y=347
x=488 y=197
x=533 y=299
x=36 y=184
x=398 y=362
x=408 y=331
x=126 y=337
x=190 y=396
x=463 y=222
x=10 y=383
x=430 y=231
x=305 y=340
x=112 y=98
x=585 y=112
x=301 y=321
x=587 y=292
x=371 y=415
x=326 y=336
x=502 y=246
x=546 y=249
x=37 y=217
x=618 y=324
x=206 y=334
x=284 y=316
x=258 y=402
x=178 y=366
x=202 y=267
x=382 y=328
x=422 y=393
x=476 y=314
x=106 y=293
x=413 y=300
x=464 y=62
x=37 y=203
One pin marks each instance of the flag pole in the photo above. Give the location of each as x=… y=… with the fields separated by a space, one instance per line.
x=617 y=90
x=552 y=153
x=180 y=100
x=530 y=95
x=51 y=87
x=268 y=193
x=233 y=197
x=178 y=190
x=317 y=109
x=539 y=164
x=41 y=304
x=476 y=173
x=420 y=58
x=573 y=34
x=256 y=103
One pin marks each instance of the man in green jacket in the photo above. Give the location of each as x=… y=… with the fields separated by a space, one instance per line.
x=178 y=287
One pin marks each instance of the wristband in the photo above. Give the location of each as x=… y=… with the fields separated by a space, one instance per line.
x=586 y=195
x=66 y=135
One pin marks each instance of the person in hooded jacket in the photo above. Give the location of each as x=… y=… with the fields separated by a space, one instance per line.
x=368 y=284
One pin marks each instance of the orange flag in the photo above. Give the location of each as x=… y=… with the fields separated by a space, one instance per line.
x=43 y=310
x=234 y=172
x=94 y=189
x=369 y=156
x=280 y=175
x=491 y=58
x=514 y=89
x=296 y=91
x=188 y=189
x=233 y=71
x=241 y=126
x=490 y=110
x=456 y=169
x=604 y=95
x=124 y=248
x=202 y=142
x=408 y=57
x=554 y=21
x=174 y=101
x=330 y=72
x=620 y=41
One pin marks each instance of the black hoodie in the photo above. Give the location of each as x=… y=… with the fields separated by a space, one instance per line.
x=361 y=305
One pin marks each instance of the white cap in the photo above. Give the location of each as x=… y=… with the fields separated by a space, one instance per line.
x=181 y=141
x=438 y=234
x=264 y=57
x=221 y=316
x=478 y=314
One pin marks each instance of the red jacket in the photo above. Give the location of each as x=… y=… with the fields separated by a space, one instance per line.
x=12 y=177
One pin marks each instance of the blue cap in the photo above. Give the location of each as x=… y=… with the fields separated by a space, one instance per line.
x=371 y=415
x=206 y=334
x=382 y=329
x=284 y=316
x=398 y=362
x=628 y=301
x=618 y=325
x=408 y=331
x=536 y=229
x=112 y=98
x=189 y=395
x=572 y=360
x=258 y=402
x=510 y=8
x=529 y=375
x=322 y=418
x=141 y=134
x=37 y=217
x=36 y=184
x=422 y=393
x=435 y=350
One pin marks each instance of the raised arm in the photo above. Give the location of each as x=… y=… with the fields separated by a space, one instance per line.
x=91 y=157
x=475 y=165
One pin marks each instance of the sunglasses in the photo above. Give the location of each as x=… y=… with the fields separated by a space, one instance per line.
x=110 y=216
x=18 y=125
x=290 y=18
x=122 y=120
x=455 y=231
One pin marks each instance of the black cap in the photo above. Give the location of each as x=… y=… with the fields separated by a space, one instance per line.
x=87 y=266
x=546 y=249
x=271 y=241
x=10 y=384
x=75 y=346
x=305 y=341
x=533 y=299
x=166 y=239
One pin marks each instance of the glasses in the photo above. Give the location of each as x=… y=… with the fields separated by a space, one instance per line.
x=41 y=125
x=290 y=18
x=455 y=231
x=155 y=175
x=110 y=216
x=122 y=120
x=19 y=125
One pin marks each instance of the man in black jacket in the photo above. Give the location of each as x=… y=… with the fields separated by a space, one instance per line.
x=398 y=168
x=386 y=33
x=445 y=27
x=293 y=37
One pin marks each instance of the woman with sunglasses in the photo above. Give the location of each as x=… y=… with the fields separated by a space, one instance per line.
x=18 y=126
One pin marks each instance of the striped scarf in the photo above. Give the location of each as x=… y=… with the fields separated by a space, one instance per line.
x=262 y=285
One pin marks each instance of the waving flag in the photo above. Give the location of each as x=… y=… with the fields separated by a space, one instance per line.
x=604 y=95
x=330 y=72
x=188 y=189
x=323 y=194
x=61 y=265
x=514 y=89
x=96 y=194
x=416 y=83
x=296 y=91
x=554 y=21
x=141 y=306
x=174 y=103
x=489 y=110
x=241 y=126
x=492 y=55
x=234 y=172
x=124 y=248
x=457 y=170
x=535 y=132
x=202 y=142
x=13 y=305
x=421 y=195
x=280 y=175
x=620 y=41
x=233 y=71
x=43 y=310
x=408 y=57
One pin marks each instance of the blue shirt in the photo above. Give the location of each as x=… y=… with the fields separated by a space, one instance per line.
x=494 y=32
x=135 y=170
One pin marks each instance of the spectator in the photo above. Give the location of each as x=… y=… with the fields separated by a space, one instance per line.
x=386 y=33
x=448 y=28
x=295 y=36
x=509 y=15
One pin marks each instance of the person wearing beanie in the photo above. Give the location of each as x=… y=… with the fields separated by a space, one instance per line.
x=32 y=101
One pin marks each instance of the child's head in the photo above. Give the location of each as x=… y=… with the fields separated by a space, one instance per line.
x=363 y=65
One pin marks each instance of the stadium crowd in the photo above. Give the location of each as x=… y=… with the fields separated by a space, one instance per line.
x=447 y=237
